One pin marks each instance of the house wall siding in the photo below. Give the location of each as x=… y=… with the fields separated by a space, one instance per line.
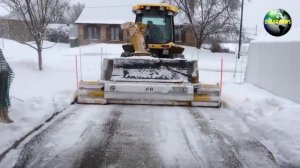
x=81 y=40
x=15 y=30
x=105 y=34
x=188 y=37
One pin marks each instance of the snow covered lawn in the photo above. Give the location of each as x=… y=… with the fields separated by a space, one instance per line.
x=36 y=95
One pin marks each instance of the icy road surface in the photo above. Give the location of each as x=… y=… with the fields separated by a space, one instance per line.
x=143 y=136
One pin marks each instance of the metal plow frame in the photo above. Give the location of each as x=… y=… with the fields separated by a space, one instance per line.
x=149 y=81
x=148 y=94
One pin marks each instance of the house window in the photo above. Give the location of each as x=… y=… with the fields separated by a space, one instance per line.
x=92 y=32
x=178 y=34
x=115 y=34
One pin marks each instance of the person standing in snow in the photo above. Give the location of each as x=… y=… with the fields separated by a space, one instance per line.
x=6 y=76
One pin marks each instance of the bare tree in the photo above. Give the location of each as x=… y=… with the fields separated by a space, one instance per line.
x=209 y=17
x=60 y=16
x=75 y=11
x=37 y=14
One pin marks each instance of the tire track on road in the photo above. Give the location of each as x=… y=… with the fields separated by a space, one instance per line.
x=61 y=142
x=16 y=144
x=123 y=141
x=27 y=153
x=235 y=151
x=227 y=151
x=98 y=155
x=195 y=154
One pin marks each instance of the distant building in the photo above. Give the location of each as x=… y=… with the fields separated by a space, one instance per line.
x=14 y=29
x=103 y=25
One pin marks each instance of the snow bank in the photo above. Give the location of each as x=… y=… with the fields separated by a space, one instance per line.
x=274 y=66
x=35 y=95
x=273 y=120
x=292 y=36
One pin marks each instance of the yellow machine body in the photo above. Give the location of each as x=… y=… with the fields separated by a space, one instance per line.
x=152 y=68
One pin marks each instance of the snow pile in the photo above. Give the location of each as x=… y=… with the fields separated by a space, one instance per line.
x=233 y=48
x=275 y=67
x=275 y=121
x=292 y=36
x=35 y=95
x=273 y=64
x=209 y=64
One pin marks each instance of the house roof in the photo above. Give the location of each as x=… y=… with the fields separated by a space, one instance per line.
x=106 y=15
x=114 y=14
x=11 y=17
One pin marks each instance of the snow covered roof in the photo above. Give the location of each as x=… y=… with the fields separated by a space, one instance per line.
x=292 y=36
x=114 y=15
x=10 y=17
x=106 y=15
x=57 y=26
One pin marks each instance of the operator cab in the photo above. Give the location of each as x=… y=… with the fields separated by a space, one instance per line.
x=160 y=34
x=159 y=21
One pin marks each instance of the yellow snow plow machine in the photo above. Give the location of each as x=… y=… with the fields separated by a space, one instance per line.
x=152 y=69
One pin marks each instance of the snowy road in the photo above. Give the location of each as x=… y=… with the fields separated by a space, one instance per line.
x=143 y=136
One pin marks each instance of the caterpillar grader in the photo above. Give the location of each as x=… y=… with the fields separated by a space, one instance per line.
x=152 y=69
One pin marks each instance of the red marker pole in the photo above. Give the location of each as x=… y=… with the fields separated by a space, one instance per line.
x=221 y=80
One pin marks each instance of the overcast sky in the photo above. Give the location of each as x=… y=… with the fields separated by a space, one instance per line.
x=254 y=10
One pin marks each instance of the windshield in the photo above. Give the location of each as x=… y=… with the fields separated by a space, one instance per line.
x=159 y=26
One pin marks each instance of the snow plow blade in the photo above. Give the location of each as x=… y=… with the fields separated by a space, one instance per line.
x=149 y=81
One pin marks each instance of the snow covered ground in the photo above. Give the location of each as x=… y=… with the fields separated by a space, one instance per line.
x=36 y=95
x=141 y=136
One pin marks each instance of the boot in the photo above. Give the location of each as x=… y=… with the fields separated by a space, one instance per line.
x=1 y=115
x=4 y=116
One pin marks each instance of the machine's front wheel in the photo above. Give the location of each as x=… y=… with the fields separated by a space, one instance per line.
x=125 y=54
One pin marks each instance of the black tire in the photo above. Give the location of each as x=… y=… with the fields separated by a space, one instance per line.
x=125 y=54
